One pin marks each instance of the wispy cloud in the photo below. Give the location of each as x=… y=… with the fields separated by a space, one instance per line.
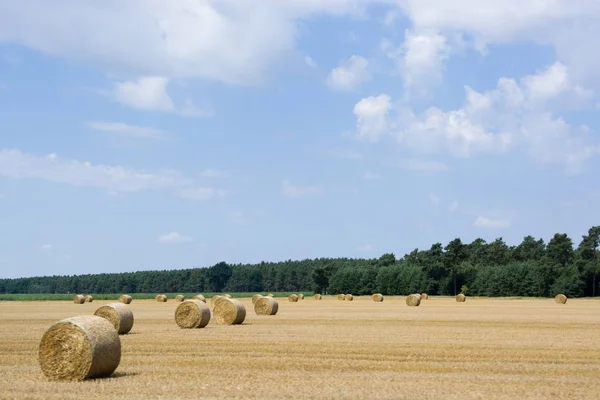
x=290 y=190
x=201 y=193
x=490 y=223
x=365 y=248
x=174 y=237
x=126 y=130
x=46 y=247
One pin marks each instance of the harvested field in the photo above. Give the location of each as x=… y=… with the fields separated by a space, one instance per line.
x=481 y=349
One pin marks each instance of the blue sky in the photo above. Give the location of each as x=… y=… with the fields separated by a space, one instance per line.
x=154 y=135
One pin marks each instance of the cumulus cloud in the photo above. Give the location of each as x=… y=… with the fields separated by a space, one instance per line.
x=174 y=237
x=349 y=74
x=372 y=117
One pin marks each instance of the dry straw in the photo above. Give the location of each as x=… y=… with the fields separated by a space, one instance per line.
x=215 y=299
x=161 y=298
x=256 y=297
x=300 y=296
x=79 y=348
x=89 y=299
x=79 y=299
x=192 y=314
x=560 y=299
x=270 y=295
x=424 y=296
x=179 y=298
x=117 y=314
x=317 y=296
x=341 y=297
x=229 y=312
x=413 y=300
x=461 y=298
x=377 y=297
x=200 y=297
x=266 y=306
x=227 y=295
x=293 y=298
x=125 y=299
x=349 y=297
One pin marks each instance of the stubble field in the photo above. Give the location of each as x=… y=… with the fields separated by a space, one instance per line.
x=481 y=349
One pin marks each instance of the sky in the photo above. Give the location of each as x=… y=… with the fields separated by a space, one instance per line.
x=146 y=134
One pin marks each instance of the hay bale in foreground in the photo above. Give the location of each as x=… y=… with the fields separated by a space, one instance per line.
x=317 y=296
x=377 y=297
x=179 y=298
x=79 y=299
x=348 y=297
x=79 y=348
x=125 y=299
x=117 y=314
x=266 y=306
x=192 y=314
x=256 y=297
x=560 y=299
x=293 y=298
x=341 y=297
x=229 y=312
x=227 y=295
x=200 y=297
x=461 y=298
x=424 y=296
x=300 y=296
x=413 y=300
x=89 y=299
x=161 y=298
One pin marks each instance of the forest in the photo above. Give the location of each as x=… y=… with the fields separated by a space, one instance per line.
x=531 y=268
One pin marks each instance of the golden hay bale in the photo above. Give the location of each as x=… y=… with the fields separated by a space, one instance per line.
x=200 y=297
x=293 y=298
x=192 y=314
x=125 y=299
x=79 y=299
x=560 y=299
x=341 y=297
x=229 y=312
x=317 y=296
x=300 y=296
x=256 y=297
x=413 y=300
x=179 y=298
x=161 y=298
x=266 y=306
x=89 y=299
x=377 y=297
x=424 y=296
x=461 y=298
x=79 y=348
x=270 y=295
x=227 y=295
x=348 y=297
x=117 y=314
x=215 y=298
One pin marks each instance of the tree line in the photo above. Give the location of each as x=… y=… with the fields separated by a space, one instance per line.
x=531 y=268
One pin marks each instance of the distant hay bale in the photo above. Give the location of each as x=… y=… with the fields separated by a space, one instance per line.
x=317 y=296
x=192 y=314
x=161 y=298
x=227 y=295
x=266 y=306
x=79 y=299
x=560 y=299
x=293 y=298
x=89 y=299
x=300 y=296
x=179 y=298
x=270 y=295
x=200 y=297
x=377 y=297
x=117 y=314
x=341 y=297
x=79 y=348
x=229 y=312
x=413 y=300
x=349 y=297
x=125 y=299
x=424 y=296
x=256 y=297
x=461 y=298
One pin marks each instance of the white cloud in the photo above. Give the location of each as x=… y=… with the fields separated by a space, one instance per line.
x=490 y=223
x=174 y=237
x=370 y=176
x=372 y=117
x=290 y=190
x=46 y=247
x=365 y=248
x=126 y=130
x=310 y=62
x=201 y=193
x=51 y=168
x=349 y=74
x=214 y=173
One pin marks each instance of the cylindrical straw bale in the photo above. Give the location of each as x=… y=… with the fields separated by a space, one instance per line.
x=348 y=297
x=89 y=299
x=79 y=299
x=256 y=297
x=192 y=314
x=200 y=297
x=266 y=306
x=300 y=296
x=179 y=298
x=117 y=314
x=317 y=296
x=461 y=298
x=79 y=348
x=424 y=296
x=293 y=298
x=377 y=297
x=227 y=295
x=270 y=295
x=413 y=300
x=161 y=298
x=341 y=297
x=125 y=299
x=229 y=312
x=560 y=299
x=215 y=299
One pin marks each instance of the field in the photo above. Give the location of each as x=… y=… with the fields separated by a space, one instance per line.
x=481 y=349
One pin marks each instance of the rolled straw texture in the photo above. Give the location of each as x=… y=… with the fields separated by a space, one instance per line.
x=192 y=314
x=117 y=314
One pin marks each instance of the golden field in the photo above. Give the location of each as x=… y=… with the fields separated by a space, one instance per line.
x=329 y=349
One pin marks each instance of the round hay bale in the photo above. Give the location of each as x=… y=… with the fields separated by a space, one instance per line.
x=560 y=299
x=89 y=299
x=424 y=296
x=461 y=298
x=300 y=296
x=215 y=298
x=341 y=297
x=229 y=312
x=192 y=314
x=117 y=314
x=227 y=295
x=266 y=306
x=125 y=299
x=317 y=296
x=349 y=297
x=377 y=297
x=79 y=348
x=256 y=297
x=270 y=295
x=293 y=298
x=179 y=298
x=200 y=297
x=161 y=298
x=413 y=300
x=79 y=299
